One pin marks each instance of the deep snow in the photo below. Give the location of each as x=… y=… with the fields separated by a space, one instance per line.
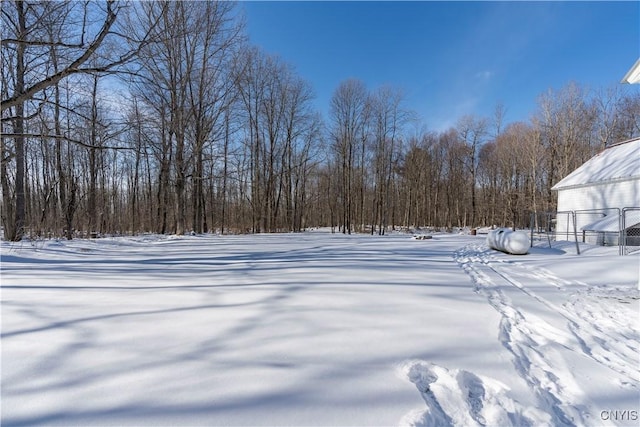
x=317 y=329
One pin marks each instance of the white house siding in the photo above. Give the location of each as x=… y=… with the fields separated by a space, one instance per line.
x=604 y=196
x=610 y=180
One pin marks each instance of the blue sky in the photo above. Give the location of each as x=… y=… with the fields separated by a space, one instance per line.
x=452 y=58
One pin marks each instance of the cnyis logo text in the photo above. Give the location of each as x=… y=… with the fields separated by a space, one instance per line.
x=617 y=415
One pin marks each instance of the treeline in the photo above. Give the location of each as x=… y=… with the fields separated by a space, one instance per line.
x=216 y=135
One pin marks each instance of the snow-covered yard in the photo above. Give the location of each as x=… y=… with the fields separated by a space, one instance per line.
x=317 y=329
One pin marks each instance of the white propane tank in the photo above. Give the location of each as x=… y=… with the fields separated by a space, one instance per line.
x=508 y=241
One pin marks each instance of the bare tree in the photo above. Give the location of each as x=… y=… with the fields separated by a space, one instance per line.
x=618 y=114
x=185 y=76
x=566 y=121
x=211 y=89
x=252 y=75
x=472 y=131
x=388 y=116
x=629 y=108
x=35 y=35
x=348 y=110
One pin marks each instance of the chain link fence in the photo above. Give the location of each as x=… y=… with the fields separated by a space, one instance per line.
x=630 y=230
x=602 y=227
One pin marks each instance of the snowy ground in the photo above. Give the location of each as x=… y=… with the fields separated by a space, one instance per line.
x=317 y=329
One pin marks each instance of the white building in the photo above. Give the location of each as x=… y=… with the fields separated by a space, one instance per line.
x=595 y=196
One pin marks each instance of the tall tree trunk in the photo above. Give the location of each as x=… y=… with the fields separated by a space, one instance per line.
x=93 y=163
x=225 y=173
x=16 y=232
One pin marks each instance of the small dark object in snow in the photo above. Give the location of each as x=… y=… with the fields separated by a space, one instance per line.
x=422 y=237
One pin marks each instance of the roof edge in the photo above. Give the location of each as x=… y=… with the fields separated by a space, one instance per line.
x=559 y=187
x=626 y=141
x=633 y=75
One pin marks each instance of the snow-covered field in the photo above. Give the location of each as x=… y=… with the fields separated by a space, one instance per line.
x=317 y=329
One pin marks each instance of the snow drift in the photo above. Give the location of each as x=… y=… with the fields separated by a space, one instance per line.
x=511 y=242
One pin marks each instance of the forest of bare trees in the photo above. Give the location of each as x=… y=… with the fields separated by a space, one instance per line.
x=216 y=135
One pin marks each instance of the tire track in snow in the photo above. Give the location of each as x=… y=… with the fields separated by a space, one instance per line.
x=533 y=342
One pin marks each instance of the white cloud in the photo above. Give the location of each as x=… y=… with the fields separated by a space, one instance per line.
x=484 y=75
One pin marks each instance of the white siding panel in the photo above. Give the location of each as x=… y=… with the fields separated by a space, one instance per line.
x=600 y=196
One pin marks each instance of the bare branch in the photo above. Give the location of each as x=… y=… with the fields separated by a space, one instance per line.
x=8 y=42
x=66 y=138
x=73 y=68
